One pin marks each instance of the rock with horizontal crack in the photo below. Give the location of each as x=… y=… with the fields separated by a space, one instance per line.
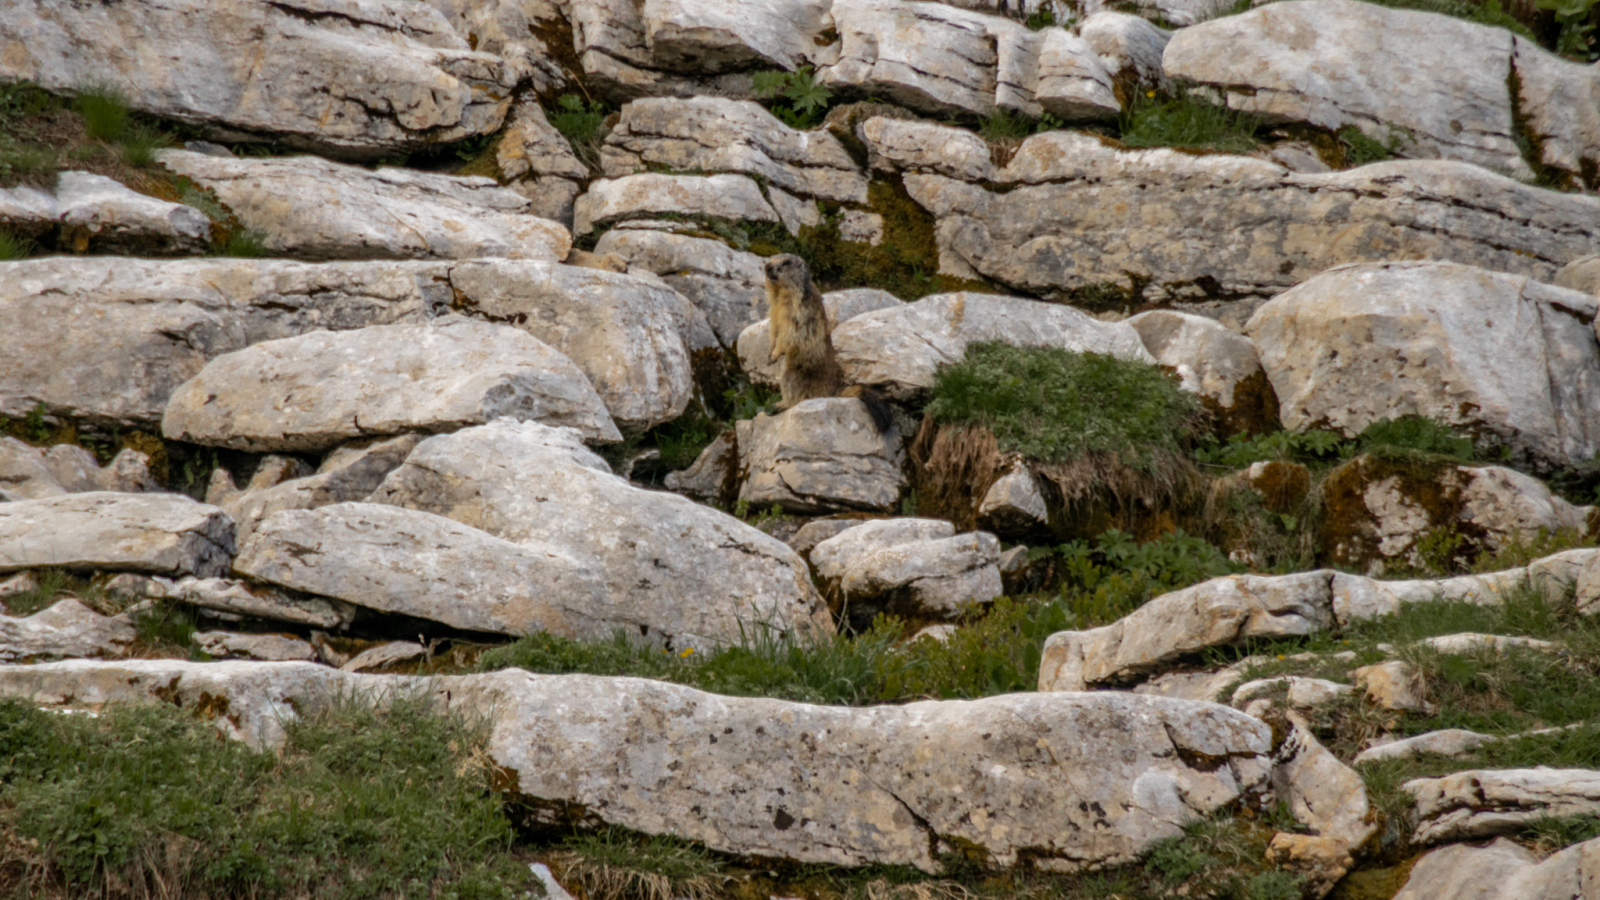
x=1481 y=803
x=731 y=197
x=65 y=629
x=163 y=534
x=820 y=456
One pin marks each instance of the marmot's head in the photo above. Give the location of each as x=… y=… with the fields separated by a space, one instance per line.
x=788 y=270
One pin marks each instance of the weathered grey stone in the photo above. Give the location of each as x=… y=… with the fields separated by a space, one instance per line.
x=300 y=70
x=100 y=214
x=1179 y=13
x=526 y=34
x=861 y=227
x=1301 y=693
x=1559 y=101
x=315 y=391
x=23 y=473
x=1436 y=85
x=755 y=342
x=651 y=550
x=265 y=647
x=349 y=474
x=1484 y=802
x=794 y=212
x=1015 y=501
x=1393 y=685
x=906 y=145
x=160 y=533
x=613 y=47
x=922 y=580
x=816 y=531
x=106 y=340
x=532 y=147
x=1356 y=598
x=1320 y=861
x=231 y=599
x=1471 y=642
x=728 y=285
x=1499 y=354
x=836 y=554
x=20 y=583
x=1213 y=361
x=820 y=456
x=1130 y=48
x=310 y=208
x=28 y=212
x=706 y=36
x=1205 y=685
x=1325 y=794
x=1445 y=742
x=29 y=473
x=714 y=475
x=1070 y=81
x=625 y=332
x=1214 y=613
x=1074 y=211
x=636 y=196
x=66 y=629
x=902 y=348
x=1465 y=872
x=384 y=655
x=1582 y=274
x=713 y=134
x=879 y=784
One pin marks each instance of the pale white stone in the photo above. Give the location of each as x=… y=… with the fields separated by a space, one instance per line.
x=728 y=285
x=266 y=647
x=232 y=599
x=708 y=36
x=754 y=343
x=517 y=32
x=531 y=147
x=1481 y=803
x=904 y=145
x=1445 y=742
x=1130 y=48
x=100 y=213
x=835 y=555
x=1326 y=795
x=384 y=655
x=1015 y=498
x=158 y=533
x=1560 y=102
x=1210 y=359
x=821 y=455
x=634 y=196
x=65 y=629
x=1393 y=685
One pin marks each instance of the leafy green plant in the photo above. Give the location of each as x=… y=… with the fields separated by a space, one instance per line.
x=1104 y=579
x=1044 y=17
x=579 y=121
x=1241 y=450
x=1359 y=149
x=1575 y=18
x=1412 y=435
x=1056 y=405
x=105 y=111
x=798 y=100
x=1186 y=119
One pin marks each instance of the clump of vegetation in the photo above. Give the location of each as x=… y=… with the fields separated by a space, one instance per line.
x=1104 y=579
x=1576 y=19
x=613 y=862
x=149 y=801
x=242 y=243
x=13 y=247
x=798 y=100
x=1484 y=12
x=1359 y=149
x=580 y=121
x=105 y=112
x=1187 y=120
x=1415 y=436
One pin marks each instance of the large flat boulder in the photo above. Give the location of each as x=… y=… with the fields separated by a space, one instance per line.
x=727 y=285
x=310 y=208
x=1434 y=84
x=165 y=534
x=1504 y=356
x=822 y=455
x=628 y=333
x=714 y=134
x=359 y=78
x=610 y=200
x=425 y=566
x=91 y=212
x=1502 y=869
x=1485 y=802
x=315 y=391
x=67 y=629
x=348 y=474
x=901 y=348
x=705 y=36
x=650 y=549
x=1074 y=212
x=769 y=778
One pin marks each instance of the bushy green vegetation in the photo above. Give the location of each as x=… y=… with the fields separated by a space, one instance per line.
x=1414 y=437
x=1055 y=405
x=797 y=99
x=1484 y=12
x=148 y=801
x=1359 y=149
x=1105 y=579
x=1576 y=18
x=13 y=247
x=579 y=121
x=1188 y=120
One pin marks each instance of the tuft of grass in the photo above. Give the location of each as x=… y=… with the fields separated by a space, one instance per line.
x=1103 y=580
x=242 y=243
x=1359 y=149
x=1006 y=125
x=1186 y=120
x=580 y=122
x=13 y=247
x=149 y=801
x=140 y=143
x=1055 y=406
x=1415 y=435
x=616 y=863
x=104 y=108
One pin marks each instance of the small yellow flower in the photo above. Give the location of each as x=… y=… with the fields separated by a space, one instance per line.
x=686 y=653
x=1149 y=93
x=1280 y=656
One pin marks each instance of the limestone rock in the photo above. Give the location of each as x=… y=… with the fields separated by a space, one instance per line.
x=713 y=134
x=161 y=533
x=902 y=145
x=1444 y=742
x=1180 y=13
x=1560 y=102
x=1203 y=685
x=1130 y=48
x=1073 y=213
x=815 y=532
x=29 y=473
x=384 y=655
x=28 y=212
x=755 y=342
x=1582 y=274
x=728 y=285
x=1495 y=353
x=314 y=391
x=1484 y=802
x=834 y=555
x=1356 y=598
x=235 y=600
x=714 y=475
x=1393 y=685
x=302 y=71
x=889 y=785
x=1437 y=85
x=265 y=647
x=310 y=208
x=627 y=333
x=106 y=340
x=1321 y=861
x=1465 y=872
x=651 y=550
x=66 y=629
x=517 y=31
x=608 y=200
x=1301 y=693
x=531 y=147
x=902 y=348
x=349 y=474
x=23 y=474
x=1015 y=501
x=1471 y=642
x=1326 y=795
x=613 y=46
x=713 y=37
x=820 y=456
x=1214 y=362
x=924 y=580
x=1214 y=613
x=99 y=213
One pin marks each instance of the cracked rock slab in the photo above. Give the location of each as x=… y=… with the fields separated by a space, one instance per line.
x=1213 y=361
x=1068 y=780
x=714 y=134
x=1076 y=212
x=313 y=209
x=704 y=572
x=1326 y=795
x=1502 y=869
x=1560 y=102
x=66 y=629
x=727 y=285
x=30 y=473
x=926 y=580
x=163 y=534
x=821 y=456
x=100 y=214
x=233 y=600
x=906 y=145
x=358 y=78
x=610 y=200
x=350 y=473
x=706 y=36
x=1493 y=353
x=1435 y=84
x=902 y=348
x=264 y=647
x=1215 y=613
x=312 y=392
x=1485 y=802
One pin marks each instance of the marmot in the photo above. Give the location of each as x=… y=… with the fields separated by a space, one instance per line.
x=800 y=334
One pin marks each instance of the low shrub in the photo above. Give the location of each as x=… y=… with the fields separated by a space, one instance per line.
x=1185 y=119
x=797 y=99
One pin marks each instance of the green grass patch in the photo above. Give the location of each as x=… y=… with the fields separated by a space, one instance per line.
x=1055 y=405
x=242 y=243
x=614 y=862
x=1484 y=12
x=1359 y=149
x=1104 y=579
x=105 y=111
x=580 y=121
x=1187 y=120
x=149 y=801
x=13 y=247
x=140 y=144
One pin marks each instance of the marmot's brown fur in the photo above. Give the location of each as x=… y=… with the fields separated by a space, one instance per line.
x=801 y=336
